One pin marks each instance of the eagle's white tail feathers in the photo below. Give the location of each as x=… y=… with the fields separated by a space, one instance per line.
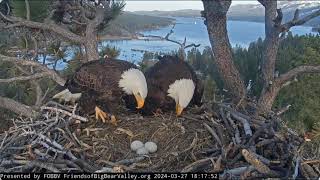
x=67 y=96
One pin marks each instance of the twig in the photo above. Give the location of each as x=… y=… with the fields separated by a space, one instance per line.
x=44 y=166
x=65 y=112
x=226 y=123
x=237 y=132
x=283 y=110
x=251 y=158
x=130 y=161
x=5 y=137
x=236 y=171
x=245 y=123
x=200 y=164
x=104 y=170
x=296 y=169
x=213 y=133
x=311 y=162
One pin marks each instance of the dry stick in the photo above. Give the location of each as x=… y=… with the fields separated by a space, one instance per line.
x=44 y=166
x=236 y=171
x=252 y=158
x=226 y=122
x=232 y=111
x=265 y=142
x=237 y=133
x=14 y=138
x=65 y=112
x=311 y=162
x=43 y=137
x=44 y=155
x=104 y=170
x=65 y=135
x=112 y=164
x=296 y=169
x=130 y=161
x=74 y=138
x=85 y=165
x=58 y=105
x=69 y=163
x=245 y=123
x=213 y=133
x=10 y=162
x=5 y=137
x=198 y=164
x=308 y=171
x=258 y=133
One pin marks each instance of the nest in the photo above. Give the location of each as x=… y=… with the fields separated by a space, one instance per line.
x=213 y=138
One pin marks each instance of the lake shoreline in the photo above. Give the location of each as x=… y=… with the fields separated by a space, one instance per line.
x=136 y=35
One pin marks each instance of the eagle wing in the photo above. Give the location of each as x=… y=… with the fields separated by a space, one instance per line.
x=99 y=76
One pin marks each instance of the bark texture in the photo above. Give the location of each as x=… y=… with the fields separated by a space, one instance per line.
x=17 y=107
x=273 y=28
x=215 y=13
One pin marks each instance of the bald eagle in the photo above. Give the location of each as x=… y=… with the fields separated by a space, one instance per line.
x=102 y=85
x=172 y=83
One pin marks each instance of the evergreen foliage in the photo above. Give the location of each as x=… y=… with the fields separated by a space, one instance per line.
x=294 y=51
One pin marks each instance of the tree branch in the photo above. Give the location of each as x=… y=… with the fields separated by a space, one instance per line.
x=39 y=98
x=190 y=45
x=183 y=45
x=263 y=2
x=93 y=24
x=27 y=9
x=18 y=22
x=296 y=21
x=295 y=72
x=55 y=76
x=25 y=78
x=17 y=107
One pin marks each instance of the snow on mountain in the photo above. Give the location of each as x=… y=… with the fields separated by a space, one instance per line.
x=293 y=5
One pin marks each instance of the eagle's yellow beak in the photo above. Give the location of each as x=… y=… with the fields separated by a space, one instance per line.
x=140 y=101
x=179 y=109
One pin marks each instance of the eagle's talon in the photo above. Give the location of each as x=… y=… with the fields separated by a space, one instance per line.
x=100 y=114
x=113 y=120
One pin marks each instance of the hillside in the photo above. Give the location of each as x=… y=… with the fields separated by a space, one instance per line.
x=127 y=24
x=250 y=12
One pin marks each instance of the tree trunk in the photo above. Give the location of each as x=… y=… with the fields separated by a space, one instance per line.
x=272 y=40
x=267 y=98
x=91 y=47
x=216 y=21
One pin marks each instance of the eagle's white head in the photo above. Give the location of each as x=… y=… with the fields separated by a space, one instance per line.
x=134 y=82
x=182 y=92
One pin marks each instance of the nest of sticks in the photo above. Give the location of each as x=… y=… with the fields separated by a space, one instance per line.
x=212 y=138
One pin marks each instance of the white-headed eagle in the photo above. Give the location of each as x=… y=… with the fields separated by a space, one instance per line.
x=103 y=85
x=172 y=84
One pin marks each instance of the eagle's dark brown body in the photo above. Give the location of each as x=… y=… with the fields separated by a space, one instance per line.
x=160 y=76
x=98 y=82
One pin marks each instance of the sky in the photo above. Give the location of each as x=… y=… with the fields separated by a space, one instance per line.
x=148 y=5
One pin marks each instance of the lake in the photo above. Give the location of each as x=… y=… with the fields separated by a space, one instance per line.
x=240 y=33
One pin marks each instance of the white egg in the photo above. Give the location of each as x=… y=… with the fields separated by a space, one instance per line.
x=135 y=145
x=142 y=151
x=151 y=147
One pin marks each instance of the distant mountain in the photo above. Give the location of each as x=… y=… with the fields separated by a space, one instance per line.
x=251 y=12
x=177 y=13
